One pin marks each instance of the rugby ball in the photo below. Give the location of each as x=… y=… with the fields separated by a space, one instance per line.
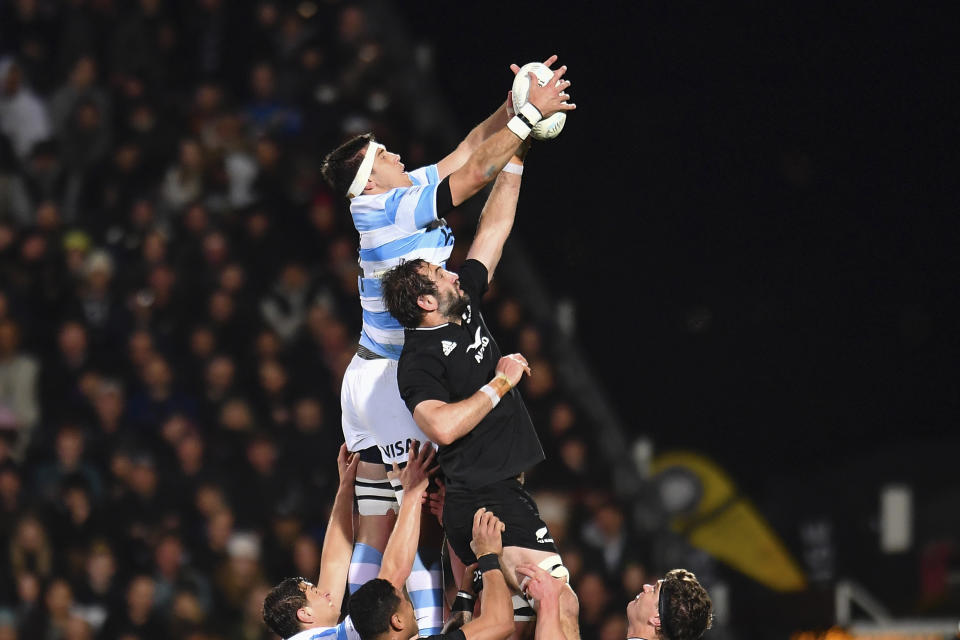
x=548 y=127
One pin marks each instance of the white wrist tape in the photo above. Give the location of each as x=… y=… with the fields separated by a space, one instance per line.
x=492 y=394
x=363 y=173
x=510 y=167
x=530 y=113
x=519 y=127
x=522 y=123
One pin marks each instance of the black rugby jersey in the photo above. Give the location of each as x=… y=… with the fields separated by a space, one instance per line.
x=451 y=362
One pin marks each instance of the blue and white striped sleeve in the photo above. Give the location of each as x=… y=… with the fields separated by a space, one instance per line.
x=412 y=208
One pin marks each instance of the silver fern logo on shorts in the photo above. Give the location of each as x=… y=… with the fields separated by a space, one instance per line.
x=542 y=536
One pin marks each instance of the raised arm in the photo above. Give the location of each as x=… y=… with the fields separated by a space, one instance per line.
x=493 y=123
x=495 y=621
x=488 y=159
x=496 y=219
x=402 y=546
x=445 y=422
x=338 y=541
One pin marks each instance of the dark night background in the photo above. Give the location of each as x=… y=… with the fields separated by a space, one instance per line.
x=751 y=209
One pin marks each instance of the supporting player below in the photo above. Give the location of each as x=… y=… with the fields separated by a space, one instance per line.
x=383 y=612
x=675 y=608
x=297 y=606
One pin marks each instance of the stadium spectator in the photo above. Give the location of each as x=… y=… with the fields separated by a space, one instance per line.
x=18 y=385
x=23 y=115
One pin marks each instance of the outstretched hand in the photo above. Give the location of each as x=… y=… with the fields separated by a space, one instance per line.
x=537 y=584
x=549 y=62
x=552 y=96
x=516 y=69
x=416 y=475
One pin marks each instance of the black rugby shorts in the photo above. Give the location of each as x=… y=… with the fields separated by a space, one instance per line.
x=510 y=502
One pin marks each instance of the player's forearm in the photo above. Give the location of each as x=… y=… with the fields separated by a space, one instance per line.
x=493 y=123
x=495 y=621
x=548 y=621
x=338 y=544
x=484 y=165
x=402 y=546
x=444 y=423
x=447 y=422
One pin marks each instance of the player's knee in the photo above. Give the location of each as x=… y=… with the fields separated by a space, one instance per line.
x=554 y=566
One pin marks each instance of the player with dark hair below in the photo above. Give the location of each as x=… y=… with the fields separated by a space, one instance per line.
x=400 y=216
x=461 y=393
x=675 y=608
x=383 y=612
x=296 y=605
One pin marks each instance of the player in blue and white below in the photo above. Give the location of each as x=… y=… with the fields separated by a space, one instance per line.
x=297 y=608
x=399 y=216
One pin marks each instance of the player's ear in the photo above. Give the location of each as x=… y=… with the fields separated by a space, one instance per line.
x=654 y=622
x=305 y=615
x=396 y=622
x=427 y=302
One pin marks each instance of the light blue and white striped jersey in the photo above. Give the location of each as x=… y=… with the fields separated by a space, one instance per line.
x=343 y=631
x=393 y=228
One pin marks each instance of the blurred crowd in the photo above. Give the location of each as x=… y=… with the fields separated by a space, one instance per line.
x=178 y=301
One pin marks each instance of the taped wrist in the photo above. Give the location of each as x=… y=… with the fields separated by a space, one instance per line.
x=522 y=123
x=488 y=562
x=464 y=602
x=497 y=388
x=492 y=394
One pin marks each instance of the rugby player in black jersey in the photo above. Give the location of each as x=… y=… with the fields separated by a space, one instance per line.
x=461 y=392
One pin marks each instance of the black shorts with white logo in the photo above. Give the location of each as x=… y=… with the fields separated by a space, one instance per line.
x=510 y=502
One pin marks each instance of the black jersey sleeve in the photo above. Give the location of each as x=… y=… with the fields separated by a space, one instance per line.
x=473 y=279
x=444 y=198
x=420 y=375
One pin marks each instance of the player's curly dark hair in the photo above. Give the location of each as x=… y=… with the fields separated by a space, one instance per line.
x=281 y=605
x=401 y=286
x=371 y=607
x=686 y=610
x=341 y=164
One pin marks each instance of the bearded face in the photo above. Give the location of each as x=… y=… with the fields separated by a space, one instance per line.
x=453 y=304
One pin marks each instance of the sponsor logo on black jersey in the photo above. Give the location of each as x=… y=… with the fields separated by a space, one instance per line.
x=480 y=344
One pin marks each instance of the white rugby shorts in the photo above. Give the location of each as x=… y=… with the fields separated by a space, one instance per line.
x=373 y=411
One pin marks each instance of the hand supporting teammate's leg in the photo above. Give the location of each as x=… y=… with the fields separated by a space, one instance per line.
x=514 y=557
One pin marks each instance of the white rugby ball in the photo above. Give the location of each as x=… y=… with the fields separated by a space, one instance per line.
x=548 y=127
